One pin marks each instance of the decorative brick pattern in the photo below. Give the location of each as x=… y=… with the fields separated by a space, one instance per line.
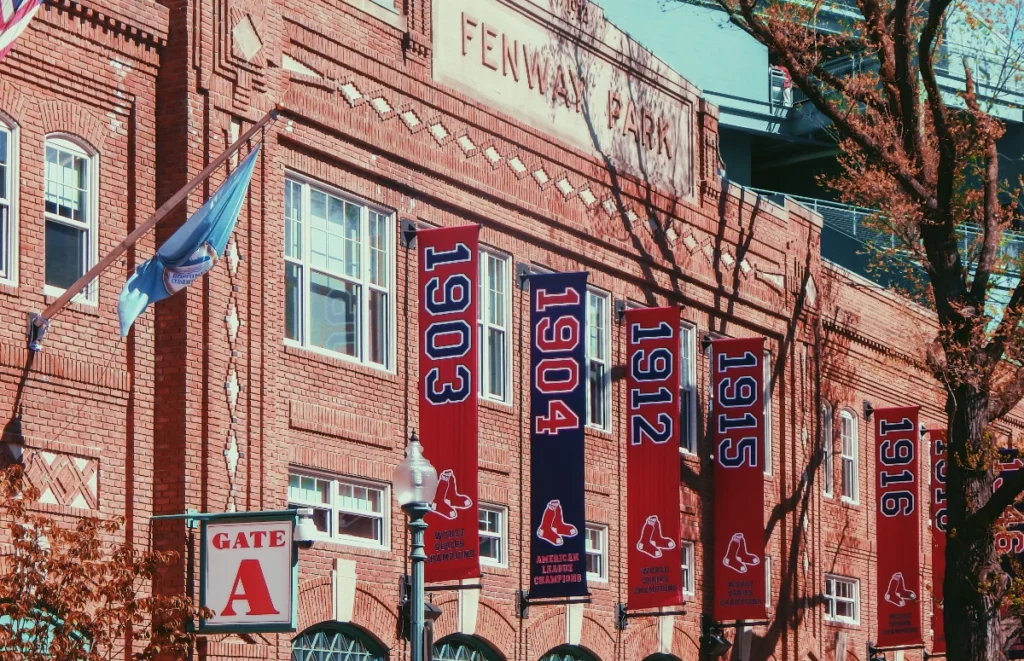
x=63 y=479
x=342 y=424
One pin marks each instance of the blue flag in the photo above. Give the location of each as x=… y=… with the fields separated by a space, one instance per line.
x=191 y=251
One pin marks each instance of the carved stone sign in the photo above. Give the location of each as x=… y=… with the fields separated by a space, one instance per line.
x=557 y=65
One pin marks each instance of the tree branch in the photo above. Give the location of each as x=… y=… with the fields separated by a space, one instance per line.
x=990 y=182
x=986 y=516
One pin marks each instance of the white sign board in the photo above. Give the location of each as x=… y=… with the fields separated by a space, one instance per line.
x=248 y=575
x=589 y=86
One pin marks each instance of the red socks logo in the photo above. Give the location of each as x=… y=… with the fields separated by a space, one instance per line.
x=897 y=594
x=448 y=501
x=737 y=558
x=652 y=542
x=553 y=527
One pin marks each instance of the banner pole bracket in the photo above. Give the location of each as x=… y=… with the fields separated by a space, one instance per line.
x=409 y=228
x=523 y=273
x=523 y=602
x=622 y=615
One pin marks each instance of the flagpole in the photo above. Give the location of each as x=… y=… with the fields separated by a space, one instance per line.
x=40 y=321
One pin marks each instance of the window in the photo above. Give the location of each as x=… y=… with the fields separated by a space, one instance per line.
x=597 y=553
x=848 y=436
x=599 y=400
x=842 y=598
x=70 y=214
x=8 y=202
x=768 y=458
x=492 y=536
x=458 y=647
x=338 y=261
x=827 y=451
x=568 y=653
x=494 y=312
x=688 y=388
x=688 y=567
x=336 y=642
x=768 y=581
x=345 y=510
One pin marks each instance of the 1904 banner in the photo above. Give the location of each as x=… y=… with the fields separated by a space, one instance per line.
x=898 y=526
x=558 y=564
x=448 y=396
x=937 y=438
x=737 y=418
x=652 y=457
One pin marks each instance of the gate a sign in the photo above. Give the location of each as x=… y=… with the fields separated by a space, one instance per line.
x=249 y=577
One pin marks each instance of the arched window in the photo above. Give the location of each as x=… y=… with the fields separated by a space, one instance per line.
x=336 y=642
x=828 y=451
x=71 y=197
x=568 y=653
x=8 y=200
x=660 y=657
x=464 y=648
x=848 y=434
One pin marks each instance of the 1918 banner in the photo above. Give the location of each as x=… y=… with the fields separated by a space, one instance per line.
x=652 y=457
x=737 y=418
x=448 y=396
x=898 y=526
x=937 y=438
x=558 y=566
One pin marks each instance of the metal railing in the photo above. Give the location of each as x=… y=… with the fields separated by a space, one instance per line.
x=780 y=88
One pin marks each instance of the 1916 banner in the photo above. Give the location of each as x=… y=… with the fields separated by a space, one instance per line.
x=898 y=526
x=558 y=565
x=652 y=458
x=448 y=396
x=937 y=438
x=1010 y=538
x=737 y=419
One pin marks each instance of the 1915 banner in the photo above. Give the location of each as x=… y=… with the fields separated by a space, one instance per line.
x=898 y=526
x=937 y=438
x=558 y=566
x=652 y=458
x=448 y=396
x=737 y=419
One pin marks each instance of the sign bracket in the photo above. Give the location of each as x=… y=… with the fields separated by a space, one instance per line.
x=622 y=615
x=523 y=602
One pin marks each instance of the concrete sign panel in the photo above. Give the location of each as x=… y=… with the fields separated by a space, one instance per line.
x=560 y=67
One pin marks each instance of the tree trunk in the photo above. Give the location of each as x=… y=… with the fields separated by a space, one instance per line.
x=972 y=613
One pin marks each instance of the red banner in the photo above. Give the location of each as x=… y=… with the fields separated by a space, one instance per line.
x=898 y=527
x=937 y=437
x=652 y=458
x=448 y=275
x=737 y=418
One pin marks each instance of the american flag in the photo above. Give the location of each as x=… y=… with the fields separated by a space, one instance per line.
x=14 y=18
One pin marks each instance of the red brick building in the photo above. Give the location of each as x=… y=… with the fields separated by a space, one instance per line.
x=288 y=375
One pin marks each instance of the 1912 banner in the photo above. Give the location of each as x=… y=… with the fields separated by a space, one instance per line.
x=737 y=418
x=448 y=396
x=558 y=566
x=652 y=458
x=898 y=526
x=937 y=438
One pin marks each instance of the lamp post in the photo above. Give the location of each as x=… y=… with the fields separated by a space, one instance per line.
x=415 y=483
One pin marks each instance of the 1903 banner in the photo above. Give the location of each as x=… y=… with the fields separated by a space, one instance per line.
x=652 y=458
x=737 y=418
x=898 y=526
x=558 y=566
x=937 y=438
x=448 y=274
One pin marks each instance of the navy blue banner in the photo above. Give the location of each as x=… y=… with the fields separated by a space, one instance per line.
x=558 y=408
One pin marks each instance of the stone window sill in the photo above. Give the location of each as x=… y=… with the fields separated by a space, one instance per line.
x=390 y=16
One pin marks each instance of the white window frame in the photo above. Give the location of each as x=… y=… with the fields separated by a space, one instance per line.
x=606 y=298
x=335 y=508
x=602 y=531
x=688 y=346
x=828 y=457
x=72 y=143
x=768 y=582
x=769 y=467
x=305 y=263
x=830 y=596
x=483 y=325
x=850 y=452
x=9 y=234
x=689 y=556
x=501 y=536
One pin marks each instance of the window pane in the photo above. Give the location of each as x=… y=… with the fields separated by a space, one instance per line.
x=497 y=284
x=686 y=363
x=496 y=363
x=318 y=243
x=686 y=414
x=595 y=378
x=65 y=254
x=353 y=246
x=293 y=219
x=4 y=162
x=334 y=314
x=292 y=301
x=358 y=525
x=378 y=249
x=67 y=177
x=378 y=330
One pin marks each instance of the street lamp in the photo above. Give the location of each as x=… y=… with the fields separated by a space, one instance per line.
x=415 y=483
